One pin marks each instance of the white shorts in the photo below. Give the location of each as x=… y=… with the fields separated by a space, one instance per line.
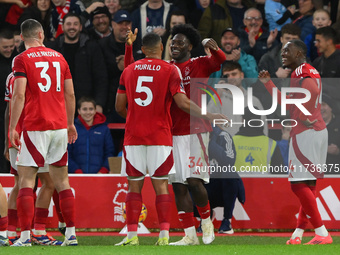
x=191 y=158
x=138 y=159
x=14 y=168
x=43 y=147
x=307 y=155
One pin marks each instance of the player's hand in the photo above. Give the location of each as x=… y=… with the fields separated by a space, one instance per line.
x=309 y=123
x=333 y=149
x=6 y=153
x=218 y=118
x=264 y=76
x=15 y=139
x=72 y=134
x=283 y=73
x=210 y=43
x=131 y=37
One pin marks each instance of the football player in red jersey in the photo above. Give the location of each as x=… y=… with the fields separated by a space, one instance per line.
x=148 y=87
x=42 y=86
x=309 y=140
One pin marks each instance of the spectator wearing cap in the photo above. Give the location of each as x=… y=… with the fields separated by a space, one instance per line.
x=333 y=125
x=255 y=39
x=230 y=42
x=113 y=48
x=101 y=19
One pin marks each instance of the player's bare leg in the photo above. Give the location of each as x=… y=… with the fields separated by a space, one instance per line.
x=59 y=175
x=12 y=212
x=25 y=203
x=133 y=203
x=3 y=218
x=163 y=206
x=185 y=214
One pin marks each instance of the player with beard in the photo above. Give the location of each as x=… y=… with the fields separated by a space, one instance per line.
x=190 y=134
x=309 y=140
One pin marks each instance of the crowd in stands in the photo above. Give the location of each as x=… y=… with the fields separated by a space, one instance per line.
x=91 y=36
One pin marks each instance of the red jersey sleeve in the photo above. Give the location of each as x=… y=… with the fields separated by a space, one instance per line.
x=19 y=68
x=128 y=59
x=121 y=88
x=9 y=89
x=269 y=86
x=175 y=82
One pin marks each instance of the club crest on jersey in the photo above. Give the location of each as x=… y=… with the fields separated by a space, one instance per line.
x=186 y=71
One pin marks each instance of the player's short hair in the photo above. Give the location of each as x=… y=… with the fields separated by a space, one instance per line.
x=86 y=99
x=151 y=40
x=328 y=33
x=71 y=14
x=320 y=11
x=6 y=34
x=300 y=45
x=230 y=65
x=189 y=31
x=30 y=29
x=291 y=29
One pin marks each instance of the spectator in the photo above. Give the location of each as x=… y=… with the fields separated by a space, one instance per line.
x=305 y=16
x=40 y=11
x=90 y=153
x=113 y=48
x=230 y=42
x=328 y=64
x=113 y=6
x=277 y=15
x=150 y=17
x=7 y=53
x=232 y=73
x=219 y=16
x=196 y=14
x=334 y=11
x=101 y=18
x=255 y=39
x=321 y=18
x=333 y=123
x=254 y=148
x=15 y=11
x=17 y=40
x=85 y=59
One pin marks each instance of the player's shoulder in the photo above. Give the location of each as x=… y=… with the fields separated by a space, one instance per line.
x=306 y=70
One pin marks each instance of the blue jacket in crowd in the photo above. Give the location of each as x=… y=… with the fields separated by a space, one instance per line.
x=89 y=154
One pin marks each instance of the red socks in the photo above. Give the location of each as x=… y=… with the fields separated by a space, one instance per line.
x=163 y=205
x=3 y=223
x=12 y=220
x=133 y=208
x=306 y=195
x=25 y=205
x=187 y=219
x=57 y=206
x=40 y=218
x=67 y=206
x=204 y=211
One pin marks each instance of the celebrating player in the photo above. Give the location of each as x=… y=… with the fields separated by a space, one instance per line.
x=43 y=88
x=308 y=146
x=148 y=86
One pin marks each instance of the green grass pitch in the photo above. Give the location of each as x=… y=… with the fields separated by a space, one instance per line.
x=231 y=245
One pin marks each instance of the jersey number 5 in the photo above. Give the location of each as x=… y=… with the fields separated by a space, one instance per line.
x=43 y=74
x=140 y=88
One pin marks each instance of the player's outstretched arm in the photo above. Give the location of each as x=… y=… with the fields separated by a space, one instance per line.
x=264 y=77
x=70 y=103
x=184 y=103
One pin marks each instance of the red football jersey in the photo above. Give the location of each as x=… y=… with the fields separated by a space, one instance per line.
x=201 y=67
x=45 y=71
x=8 y=97
x=149 y=85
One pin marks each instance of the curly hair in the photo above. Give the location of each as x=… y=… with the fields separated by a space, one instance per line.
x=189 y=31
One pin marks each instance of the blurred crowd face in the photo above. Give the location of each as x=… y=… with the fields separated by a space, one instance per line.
x=253 y=20
x=288 y=37
x=6 y=47
x=59 y=2
x=321 y=19
x=43 y=5
x=204 y=3
x=17 y=41
x=326 y=112
x=321 y=43
x=87 y=111
x=112 y=5
x=101 y=23
x=229 y=41
x=234 y=77
x=72 y=28
x=305 y=6
x=177 y=20
x=120 y=30
x=179 y=47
